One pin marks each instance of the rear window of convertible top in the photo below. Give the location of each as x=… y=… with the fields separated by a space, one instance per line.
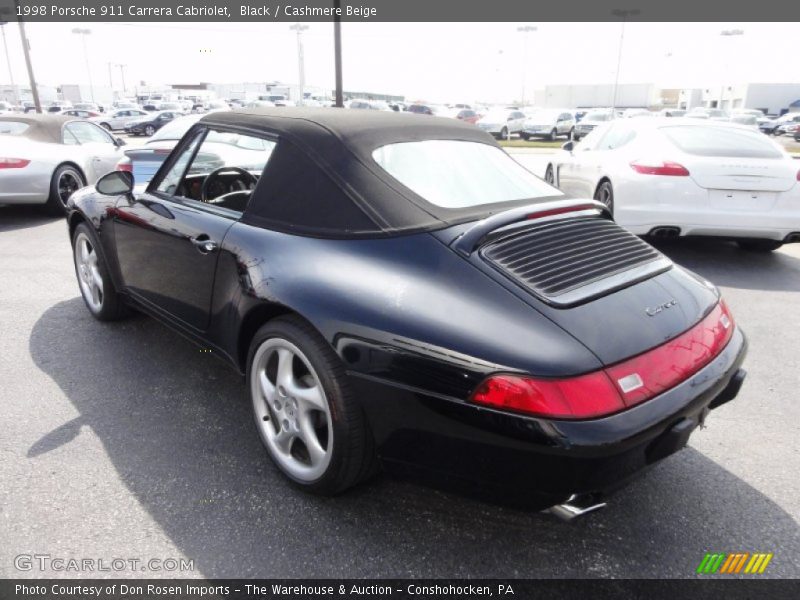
x=13 y=127
x=460 y=174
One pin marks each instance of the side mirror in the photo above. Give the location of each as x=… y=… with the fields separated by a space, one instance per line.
x=510 y=119
x=119 y=142
x=568 y=146
x=115 y=183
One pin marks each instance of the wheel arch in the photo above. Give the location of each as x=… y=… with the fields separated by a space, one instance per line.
x=74 y=219
x=70 y=163
x=602 y=180
x=255 y=317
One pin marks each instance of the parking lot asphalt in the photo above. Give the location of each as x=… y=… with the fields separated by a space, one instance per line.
x=123 y=440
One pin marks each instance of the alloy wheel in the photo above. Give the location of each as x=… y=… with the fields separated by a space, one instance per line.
x=291 y=410
x=89 y=278
x=605 y=195
x=68 y=183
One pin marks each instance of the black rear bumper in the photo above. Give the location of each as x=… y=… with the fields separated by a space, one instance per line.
x=482 y=449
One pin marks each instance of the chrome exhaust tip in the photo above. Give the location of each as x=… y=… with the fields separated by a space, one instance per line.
x=665 y=232
x=575 y=506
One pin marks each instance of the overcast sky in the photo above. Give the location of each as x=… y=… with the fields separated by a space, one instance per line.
x=438 y=62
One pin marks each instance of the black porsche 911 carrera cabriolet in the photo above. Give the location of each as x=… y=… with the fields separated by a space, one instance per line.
x=399 y=292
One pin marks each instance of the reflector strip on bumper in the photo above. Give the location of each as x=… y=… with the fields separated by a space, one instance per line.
x=666 y=366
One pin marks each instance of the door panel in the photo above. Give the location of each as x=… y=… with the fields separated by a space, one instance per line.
x=161 y=256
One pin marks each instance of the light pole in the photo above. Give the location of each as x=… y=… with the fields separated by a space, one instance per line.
x=525 y=30
x=337 y=54
x=622 y=14
x=730 y=33
x=122 y=76
x=83 y=33
x=297 y=27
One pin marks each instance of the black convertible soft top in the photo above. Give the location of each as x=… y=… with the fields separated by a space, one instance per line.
x=322 y=180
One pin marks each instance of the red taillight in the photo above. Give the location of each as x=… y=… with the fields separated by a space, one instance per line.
x=126 y=165
x=660 y=167
x=798 y=176
x=581 y=397
x=14 y=163
x=617 y=387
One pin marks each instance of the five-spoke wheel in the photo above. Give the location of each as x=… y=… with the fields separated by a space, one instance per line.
x=96 y=287
x=291 y=410
x=305 y=410
x=89 y=278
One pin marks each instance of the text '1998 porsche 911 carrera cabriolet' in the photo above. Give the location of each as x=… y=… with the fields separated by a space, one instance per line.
x=400 y=293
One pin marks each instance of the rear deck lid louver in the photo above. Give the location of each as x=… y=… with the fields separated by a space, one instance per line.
x=569 y=261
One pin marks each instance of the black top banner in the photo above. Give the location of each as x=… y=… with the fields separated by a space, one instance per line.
x=397 y=10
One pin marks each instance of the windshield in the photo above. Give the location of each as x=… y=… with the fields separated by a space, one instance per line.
x=459 y=174
x=597 y=116
x=174 y=130
x=496 y=116
x=543 y=116
x=721 y=141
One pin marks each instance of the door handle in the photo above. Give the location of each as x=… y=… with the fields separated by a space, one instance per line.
x=203 y=243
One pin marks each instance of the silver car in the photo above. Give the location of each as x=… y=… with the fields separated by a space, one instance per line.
x=502 y=122
x=45 y=158
x=117 y=119
x=548 y=123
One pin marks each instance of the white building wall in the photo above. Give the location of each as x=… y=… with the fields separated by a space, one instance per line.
x=629 y=95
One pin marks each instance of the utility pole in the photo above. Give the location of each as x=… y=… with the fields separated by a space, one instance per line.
x=337 y=53
x=8 y=62
x=122 y=75
x=525 y=30
x=623 y=14
x=297 y=27
x=26 y=49
x=83 y=33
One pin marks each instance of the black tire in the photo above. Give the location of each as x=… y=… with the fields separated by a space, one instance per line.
x=571 y=134
x=504 y=133
x=105 y=126
x=759 y=245
x=112 y=307
x=605 y=195
x=353 y=457
x=66 y=180
x=149 y=130
x=525 y=136
x=553 y=135
x=549 y=175
x=575 y=137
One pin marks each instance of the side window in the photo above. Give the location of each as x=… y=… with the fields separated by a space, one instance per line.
x=616 y=137
x=169 y=183
x=225 y=170
x=86 y=133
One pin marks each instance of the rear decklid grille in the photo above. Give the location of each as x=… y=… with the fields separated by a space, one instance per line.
x=568 y=261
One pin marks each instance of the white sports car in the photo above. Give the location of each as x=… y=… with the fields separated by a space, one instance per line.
x=679 y=177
